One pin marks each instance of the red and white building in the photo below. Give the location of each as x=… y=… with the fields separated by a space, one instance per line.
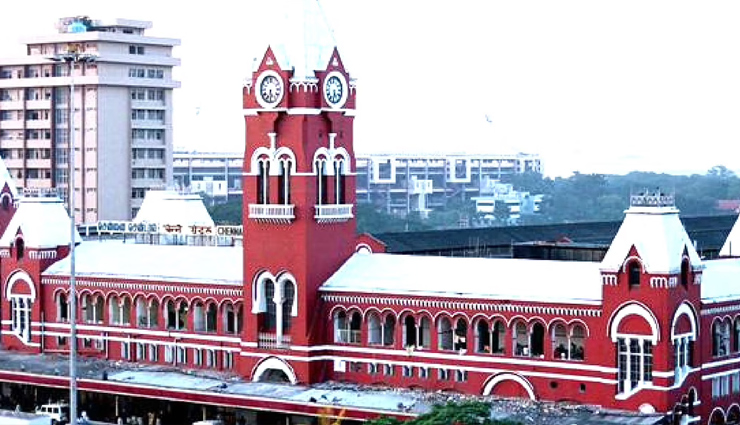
x=651 y=328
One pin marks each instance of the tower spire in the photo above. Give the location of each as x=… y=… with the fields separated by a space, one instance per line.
x=305 y=42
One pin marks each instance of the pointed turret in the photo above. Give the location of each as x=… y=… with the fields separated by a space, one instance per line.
x=37 y=236
x=305 y=41
x=43 y=223
x=8 y=196
x=731 y=247
x=651 y=292
x=653 y=231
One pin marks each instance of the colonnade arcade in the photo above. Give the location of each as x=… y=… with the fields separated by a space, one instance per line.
x=172 y=313
x=456 y=332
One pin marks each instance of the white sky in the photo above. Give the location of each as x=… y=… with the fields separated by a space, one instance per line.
x=590 y=85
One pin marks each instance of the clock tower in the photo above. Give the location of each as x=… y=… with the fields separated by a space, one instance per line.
x=299 y=193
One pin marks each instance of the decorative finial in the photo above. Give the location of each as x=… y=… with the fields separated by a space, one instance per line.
x=655 y=198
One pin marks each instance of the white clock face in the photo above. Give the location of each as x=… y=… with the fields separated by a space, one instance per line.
x=270 y=87
x=335 y=89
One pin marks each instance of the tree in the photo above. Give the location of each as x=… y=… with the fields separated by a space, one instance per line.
x=464 y=413
x=229 y=213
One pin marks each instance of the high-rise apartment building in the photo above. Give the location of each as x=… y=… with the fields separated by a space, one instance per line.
x=122 y=114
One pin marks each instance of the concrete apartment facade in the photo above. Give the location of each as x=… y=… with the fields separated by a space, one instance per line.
x=122 y=115
x=396 y=183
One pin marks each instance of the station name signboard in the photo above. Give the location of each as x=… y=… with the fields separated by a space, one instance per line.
x=130 y=227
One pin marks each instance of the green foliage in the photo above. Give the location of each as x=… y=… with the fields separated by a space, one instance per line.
x=464 y=413
x=229 y=213
x=581 y=197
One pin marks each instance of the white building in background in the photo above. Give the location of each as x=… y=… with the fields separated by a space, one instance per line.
x=123 y=115
x=397 y=183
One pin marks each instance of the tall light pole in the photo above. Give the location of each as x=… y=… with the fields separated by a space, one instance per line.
x=72 y=57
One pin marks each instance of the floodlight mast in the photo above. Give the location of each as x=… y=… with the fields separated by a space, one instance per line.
x=72 y=57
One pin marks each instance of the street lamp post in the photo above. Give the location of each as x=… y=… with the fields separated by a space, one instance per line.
x=72 y=57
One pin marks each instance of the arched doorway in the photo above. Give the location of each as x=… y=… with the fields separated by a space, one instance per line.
x=509 y=385
x=274 y=369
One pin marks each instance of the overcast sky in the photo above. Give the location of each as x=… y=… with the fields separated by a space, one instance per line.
x=592 y=86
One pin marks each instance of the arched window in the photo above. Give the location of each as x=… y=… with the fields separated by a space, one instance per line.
x=153 y=316
x=287 y=306
x=211 y=314
x=284 y=182
x=444 y=334
x=521 y=339
x=341 y=328
x=171 y=315
x=389 y=329
x=355 y=328
x=20 y=248
x=199 y=317
x=733 y=415
x=716 y=338
x=461 y=335
x=126 y=311
x=20 y=311
x=233 y=316
x=114 y=310
x=182 y=316
x=568 y=345
x=339 y=185
x=685 y=273
x=374 y=329
x=692 y=401
x=482 y=337
x=92 y=306
x=498 y=336
x=537 y=340
x=634 y=270
x=560 y=342
x=577 y=340
x=409 y=331
x=62 y=308
x=6 y=202
x=322 y=189
x=229 y=319
x=270 y=316
x=146 y=312
x=142 y=312
x=425 y=338
x=177 y=315
x=736 y=332
x=263 y=181
x=717 y=418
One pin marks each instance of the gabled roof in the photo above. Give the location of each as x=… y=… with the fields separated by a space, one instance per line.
x=43 y=222
x=304 y=41
x=170 y=207
x=6 y=179
x=212 y=265
x=731 y=247
x=719 y=281
x=658 y=236
x=464 y=277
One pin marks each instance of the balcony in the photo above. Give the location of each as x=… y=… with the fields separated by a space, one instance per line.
x=333 y=213
x=11 y=124
x=11 y=104
x=272 y=213
x=38 y=124
x=147 y=162
x=348 y=336
x=269 y=340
